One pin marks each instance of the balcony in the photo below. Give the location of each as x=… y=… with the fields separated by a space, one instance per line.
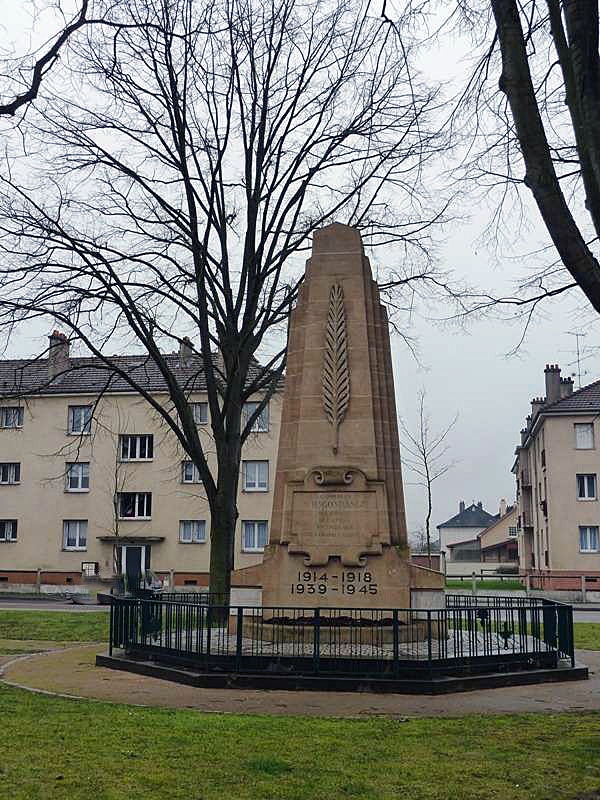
x=526 y=520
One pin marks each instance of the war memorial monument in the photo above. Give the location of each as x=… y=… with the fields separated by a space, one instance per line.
x=342 y=605
x=338 y=527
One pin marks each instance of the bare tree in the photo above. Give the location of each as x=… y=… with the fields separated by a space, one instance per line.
x=177 y=167
x=424 y=452
x=28 y=71
x=528 y=118
x=556 y=148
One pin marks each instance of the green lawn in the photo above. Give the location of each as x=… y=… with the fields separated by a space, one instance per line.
x=587 y=635
x=509 y=584
x=113 y=752
x=60 y=626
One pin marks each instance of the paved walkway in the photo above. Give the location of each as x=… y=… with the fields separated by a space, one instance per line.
x=72 y=672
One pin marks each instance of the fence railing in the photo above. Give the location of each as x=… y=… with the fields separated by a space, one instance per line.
x=470 y=634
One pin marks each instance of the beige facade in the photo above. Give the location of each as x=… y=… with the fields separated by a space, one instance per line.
x=499 y=542
x=43 y=505
x=557 y=469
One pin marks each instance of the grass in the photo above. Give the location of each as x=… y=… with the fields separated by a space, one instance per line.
x=59 y=626
x=89 y=749
x=508 y=584
x=587 y=635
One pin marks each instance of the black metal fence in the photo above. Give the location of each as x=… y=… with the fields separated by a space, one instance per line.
x=471 y=634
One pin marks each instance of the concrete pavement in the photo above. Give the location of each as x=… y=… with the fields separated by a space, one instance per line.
x=72 y=672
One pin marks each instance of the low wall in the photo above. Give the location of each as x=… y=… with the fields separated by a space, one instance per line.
x=44 y=589
x=485 y=568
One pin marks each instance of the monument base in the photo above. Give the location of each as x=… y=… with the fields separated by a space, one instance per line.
x=385 y=581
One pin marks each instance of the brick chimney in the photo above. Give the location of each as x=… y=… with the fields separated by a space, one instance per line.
x=186 y=351
x=536 y=406
x=552 y=373
x=58 y=354
x=461 y=506
x=566 y=387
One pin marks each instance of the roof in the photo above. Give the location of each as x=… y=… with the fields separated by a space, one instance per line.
x=463 y=543
x=585 y=399
x=472 y=517
x=91 y=375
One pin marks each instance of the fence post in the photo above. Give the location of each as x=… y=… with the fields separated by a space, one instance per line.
x=238 y=638
x=473 y=583
x=583 y=590
x=396 y=666
x=317 y=639
x=527 y=585
x=110 y=626
x=208 y=629
x=429 y=649
x=38 y=581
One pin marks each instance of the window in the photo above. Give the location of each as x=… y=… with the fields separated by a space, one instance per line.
x=78 y=477
x=89 y=568
x=256 y=476
x=261 y=424
x=512 y=531
x=136 y=448
x=255 y=535
x=8 y=530
x=200 y=413
x=11 y=417
x=10 y=473
x=135 y=505
x=588 y=538
x=586 y=487
x=584 y=436
x=190 y=472
x=192 y=531
x=75 y=534
x=80 y=419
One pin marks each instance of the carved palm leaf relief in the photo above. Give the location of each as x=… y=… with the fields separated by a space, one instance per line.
x=335 y=373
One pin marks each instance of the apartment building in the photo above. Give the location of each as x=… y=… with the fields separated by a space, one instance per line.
x=93 y=483
x=556 y=468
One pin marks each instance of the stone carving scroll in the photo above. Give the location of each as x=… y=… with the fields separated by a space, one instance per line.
x=335 y=373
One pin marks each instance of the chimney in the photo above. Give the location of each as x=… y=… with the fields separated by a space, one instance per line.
x=552 y=373
x=523 y=435
x=480 y=505
x=58 y=354
x=186 y=351
x=503 y=507
x=536 y=406
x=566 y=387
x=461 y=506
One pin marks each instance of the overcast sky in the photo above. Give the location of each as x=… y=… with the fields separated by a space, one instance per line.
x=464 y=372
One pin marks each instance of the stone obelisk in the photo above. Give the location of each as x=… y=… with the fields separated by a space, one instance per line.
x=338 y=531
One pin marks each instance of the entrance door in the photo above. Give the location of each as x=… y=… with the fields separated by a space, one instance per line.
x=133 y=567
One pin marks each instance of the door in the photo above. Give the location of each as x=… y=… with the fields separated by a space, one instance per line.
x=133 y=567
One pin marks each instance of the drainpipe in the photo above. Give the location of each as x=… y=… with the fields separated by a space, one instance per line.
x=583 y=590
x=38 y=581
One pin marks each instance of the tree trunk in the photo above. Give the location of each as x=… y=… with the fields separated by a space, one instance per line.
x=427 y=522
x=224 y=514
x=540 y=175
x=222 y=541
